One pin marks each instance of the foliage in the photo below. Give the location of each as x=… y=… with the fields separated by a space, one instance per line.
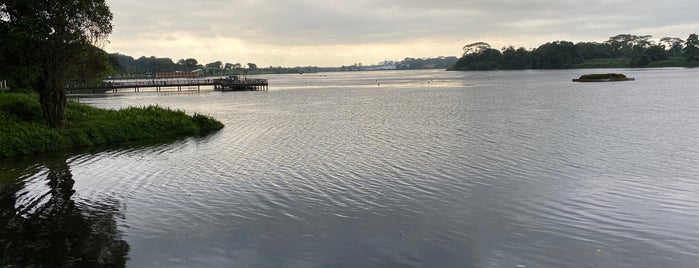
x=426 y=63
x=479 y=56
x=189 y=64
x=555 y=55
x=603 y=63
x=691 y=49
x=612 y=76
x=476 y=48
x=143 y=65
x=620 y=51
x=22 y=131
x=515 y=58
x=127 y=66
x=51 y=40
x=673 y=44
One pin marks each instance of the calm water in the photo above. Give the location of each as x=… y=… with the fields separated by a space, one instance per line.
x=386 y=169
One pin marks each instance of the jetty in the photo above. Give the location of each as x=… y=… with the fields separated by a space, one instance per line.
x=231 y=83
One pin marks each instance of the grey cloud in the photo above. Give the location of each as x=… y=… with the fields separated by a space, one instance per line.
x=308 y=22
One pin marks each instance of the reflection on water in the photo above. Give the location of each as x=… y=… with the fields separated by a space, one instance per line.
x=43 y=226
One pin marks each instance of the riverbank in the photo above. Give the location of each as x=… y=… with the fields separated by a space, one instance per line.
x=23 y=132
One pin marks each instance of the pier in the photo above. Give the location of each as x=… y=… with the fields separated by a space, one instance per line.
x=232 y=83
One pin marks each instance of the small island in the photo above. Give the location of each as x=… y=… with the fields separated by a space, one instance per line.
x=610 y=77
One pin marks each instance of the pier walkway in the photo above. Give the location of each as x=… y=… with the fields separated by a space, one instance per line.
x=219 y=84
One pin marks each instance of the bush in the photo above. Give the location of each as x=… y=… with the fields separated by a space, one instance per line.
x=604 y=76
x=21 y=106
x=22 y=131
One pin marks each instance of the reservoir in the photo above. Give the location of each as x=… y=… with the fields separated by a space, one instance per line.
x=384 y=169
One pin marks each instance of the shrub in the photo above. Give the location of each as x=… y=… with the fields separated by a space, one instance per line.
x=23 y=132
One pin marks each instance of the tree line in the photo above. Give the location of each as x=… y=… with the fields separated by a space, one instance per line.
x=124 y=65
x=127 y=66
x=620 y=51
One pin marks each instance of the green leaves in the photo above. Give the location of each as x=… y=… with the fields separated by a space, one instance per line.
x=22 y=131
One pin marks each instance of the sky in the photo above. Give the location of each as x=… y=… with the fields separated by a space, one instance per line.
x=344 y=32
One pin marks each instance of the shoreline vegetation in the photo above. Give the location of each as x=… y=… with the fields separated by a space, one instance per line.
x=609 y=77
x=23 y=130
x=620 y=51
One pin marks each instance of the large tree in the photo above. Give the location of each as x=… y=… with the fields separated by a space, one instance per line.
x=47 y=40
x=691 y=49
x=673 y=45
x=622 y=44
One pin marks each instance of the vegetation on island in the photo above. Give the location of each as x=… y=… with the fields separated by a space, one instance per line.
x=620 y=51
x=611 y=76
x=23 y=130
x=608 y=77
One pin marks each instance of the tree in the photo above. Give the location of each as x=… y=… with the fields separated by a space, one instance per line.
x=657 y=52
x=252 y=66
x=639 y=58
x=691 y=49
x=673 y=44
x=476 y=48
x=594 y=50
x=49 y=39
x=481 y=58
x=556 y=55
x=515 y=59
x=190 y=64
x=622 y=44
x=214 y=65
x=214 y=68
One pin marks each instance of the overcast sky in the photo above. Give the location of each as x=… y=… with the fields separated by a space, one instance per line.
x=343 y=32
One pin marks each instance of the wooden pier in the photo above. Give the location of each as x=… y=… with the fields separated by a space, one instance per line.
x=220 y=84
x=235 y=84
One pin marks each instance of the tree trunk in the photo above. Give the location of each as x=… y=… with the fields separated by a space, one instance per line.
x=52 y=95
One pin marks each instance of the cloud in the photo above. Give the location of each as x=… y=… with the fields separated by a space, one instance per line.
x=277 y=30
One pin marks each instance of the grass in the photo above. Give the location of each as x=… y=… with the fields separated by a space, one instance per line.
x=603 y=63
x=23 y=131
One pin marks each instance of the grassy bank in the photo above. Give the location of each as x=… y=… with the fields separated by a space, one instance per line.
x=23 y=132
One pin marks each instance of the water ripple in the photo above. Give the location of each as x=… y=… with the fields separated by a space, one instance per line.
x=491 y=169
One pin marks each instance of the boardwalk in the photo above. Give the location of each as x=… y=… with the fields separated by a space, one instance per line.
x=219 y=84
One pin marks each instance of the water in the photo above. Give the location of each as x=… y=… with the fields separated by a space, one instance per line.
x=390 y=169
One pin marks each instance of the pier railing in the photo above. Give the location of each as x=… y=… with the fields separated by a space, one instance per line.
x=223 y=84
